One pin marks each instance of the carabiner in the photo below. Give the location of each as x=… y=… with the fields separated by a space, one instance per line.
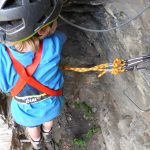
x=131 y=64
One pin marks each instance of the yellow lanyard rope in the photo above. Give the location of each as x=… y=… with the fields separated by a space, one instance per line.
x=116 y=68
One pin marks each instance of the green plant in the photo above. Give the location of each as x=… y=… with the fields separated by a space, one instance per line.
x=122 y=13
x=92 y=131
x=85 y=108
x=61 y=142
x=79 y=142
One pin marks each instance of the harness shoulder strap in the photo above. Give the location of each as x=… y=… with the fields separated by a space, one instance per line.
x=26 y=75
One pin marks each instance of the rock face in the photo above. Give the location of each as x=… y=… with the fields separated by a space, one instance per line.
x=125 y=125
x=131 y=41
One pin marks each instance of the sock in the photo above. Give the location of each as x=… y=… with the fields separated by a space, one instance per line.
x=45 y=130
x=36 y=140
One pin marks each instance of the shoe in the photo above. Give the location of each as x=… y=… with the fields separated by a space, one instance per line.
x=47 y=136
x=37 y=145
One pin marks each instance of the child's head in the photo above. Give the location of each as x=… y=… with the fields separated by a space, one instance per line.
x=33 y=42
x=22 y=19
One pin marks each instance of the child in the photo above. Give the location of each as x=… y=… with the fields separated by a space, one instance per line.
x=29 y=64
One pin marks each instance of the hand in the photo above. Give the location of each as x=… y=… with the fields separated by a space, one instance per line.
x=48 y=30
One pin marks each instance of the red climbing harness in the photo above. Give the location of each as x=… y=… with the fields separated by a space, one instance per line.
x=26 y=75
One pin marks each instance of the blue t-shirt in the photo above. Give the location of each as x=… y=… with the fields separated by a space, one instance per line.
x=48 y=73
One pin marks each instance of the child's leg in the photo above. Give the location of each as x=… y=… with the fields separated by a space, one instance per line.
x=47 y=126
x=46 y=131
x=34 y=135
x=34 y=132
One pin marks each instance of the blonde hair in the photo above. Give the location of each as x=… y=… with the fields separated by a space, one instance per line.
x=33 y=42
